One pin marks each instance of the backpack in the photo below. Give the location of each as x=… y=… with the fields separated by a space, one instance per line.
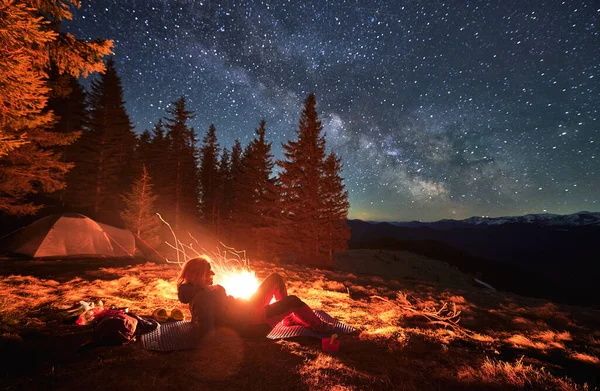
x=115 y=328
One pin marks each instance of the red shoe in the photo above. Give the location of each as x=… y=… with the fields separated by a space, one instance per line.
x=292 y=320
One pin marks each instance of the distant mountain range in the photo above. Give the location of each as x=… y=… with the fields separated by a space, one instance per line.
x=547 y=255
x=545 y=219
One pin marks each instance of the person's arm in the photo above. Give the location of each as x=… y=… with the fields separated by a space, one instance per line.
x=203 y=313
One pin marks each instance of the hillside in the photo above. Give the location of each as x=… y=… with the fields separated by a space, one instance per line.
x=530 y=259
x=502 y=341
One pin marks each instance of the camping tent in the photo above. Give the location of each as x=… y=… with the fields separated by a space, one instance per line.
x=67 y=235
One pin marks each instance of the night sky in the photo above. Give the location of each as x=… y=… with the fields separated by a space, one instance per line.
x=439 y=109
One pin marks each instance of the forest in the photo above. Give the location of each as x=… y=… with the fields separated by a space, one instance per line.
x=67 y=150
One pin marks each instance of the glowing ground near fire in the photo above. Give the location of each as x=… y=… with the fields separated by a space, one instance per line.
x=512 y=343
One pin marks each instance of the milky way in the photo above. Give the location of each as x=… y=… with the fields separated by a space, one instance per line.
x=438 y=109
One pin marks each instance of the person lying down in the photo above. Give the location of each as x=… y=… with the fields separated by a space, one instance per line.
x=211 y=307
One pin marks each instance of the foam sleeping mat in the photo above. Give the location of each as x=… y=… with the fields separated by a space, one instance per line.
x=172 y=336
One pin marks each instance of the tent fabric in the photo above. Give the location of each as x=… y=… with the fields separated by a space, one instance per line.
x=71 y=235
x=123 y=240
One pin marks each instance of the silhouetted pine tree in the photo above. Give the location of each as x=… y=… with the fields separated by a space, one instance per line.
x=143 y=150
x=209 y=171
x=178 y=173
x=158 y=165
x=107 y=166
x=223 y=186
x=257 y=201
x=29 y=44
x=139 y=214
x=243 y=201
x=300 y=188
x=68 y=102
x=233 y=191
x=335 y=206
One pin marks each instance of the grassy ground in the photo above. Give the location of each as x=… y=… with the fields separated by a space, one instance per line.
x=502 y=341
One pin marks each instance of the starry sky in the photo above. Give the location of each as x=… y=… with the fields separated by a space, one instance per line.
x=439 y=109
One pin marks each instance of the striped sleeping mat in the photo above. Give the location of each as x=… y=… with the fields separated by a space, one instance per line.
x=172 y=336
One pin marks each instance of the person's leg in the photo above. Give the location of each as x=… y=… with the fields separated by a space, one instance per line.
x=271 y=286
x=293 y=306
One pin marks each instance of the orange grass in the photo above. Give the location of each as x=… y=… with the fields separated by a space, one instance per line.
x=393 y=349
x=494 y=373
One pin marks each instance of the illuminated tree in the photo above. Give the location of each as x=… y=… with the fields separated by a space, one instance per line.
x=29 y=45
x=7 y=144
x=139 y=214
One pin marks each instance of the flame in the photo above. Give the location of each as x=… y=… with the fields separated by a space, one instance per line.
x=238 y=283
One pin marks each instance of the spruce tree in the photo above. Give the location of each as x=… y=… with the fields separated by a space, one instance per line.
x=300 y=184
x=107 y=166
x=258 y=194
x=209 y=152
x=180 y=173
x=335 y=206
x=143 y=150
x=157 y=162
x=234 y=191
x=139 y=214
x=223 y=188
x=68 y=102
x=29 y=46
x=8 y=144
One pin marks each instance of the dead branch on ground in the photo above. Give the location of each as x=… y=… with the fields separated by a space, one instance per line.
x=446 y=315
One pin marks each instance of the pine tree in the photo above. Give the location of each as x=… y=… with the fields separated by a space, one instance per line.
x=143 y=150
x=299 y=181
x=223 y=187
x=335 y=207
x=233 y=191
x=156 y=158
x=68 y=102
x=139 y=214
x=180 y=167
x=29 y=45
x=8 y=144
x=209 y=152
x=256 y=204
x=107 y=166
x=151 y=150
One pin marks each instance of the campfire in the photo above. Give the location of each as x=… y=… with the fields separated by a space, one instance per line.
x=232 y=270
x=231 y=267
x=237 y=283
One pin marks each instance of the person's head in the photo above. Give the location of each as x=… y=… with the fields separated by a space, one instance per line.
x=196 y=271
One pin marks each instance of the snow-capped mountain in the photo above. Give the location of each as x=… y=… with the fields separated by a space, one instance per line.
x=545 y=219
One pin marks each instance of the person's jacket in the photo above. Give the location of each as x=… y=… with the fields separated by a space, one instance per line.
x=211 y=307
